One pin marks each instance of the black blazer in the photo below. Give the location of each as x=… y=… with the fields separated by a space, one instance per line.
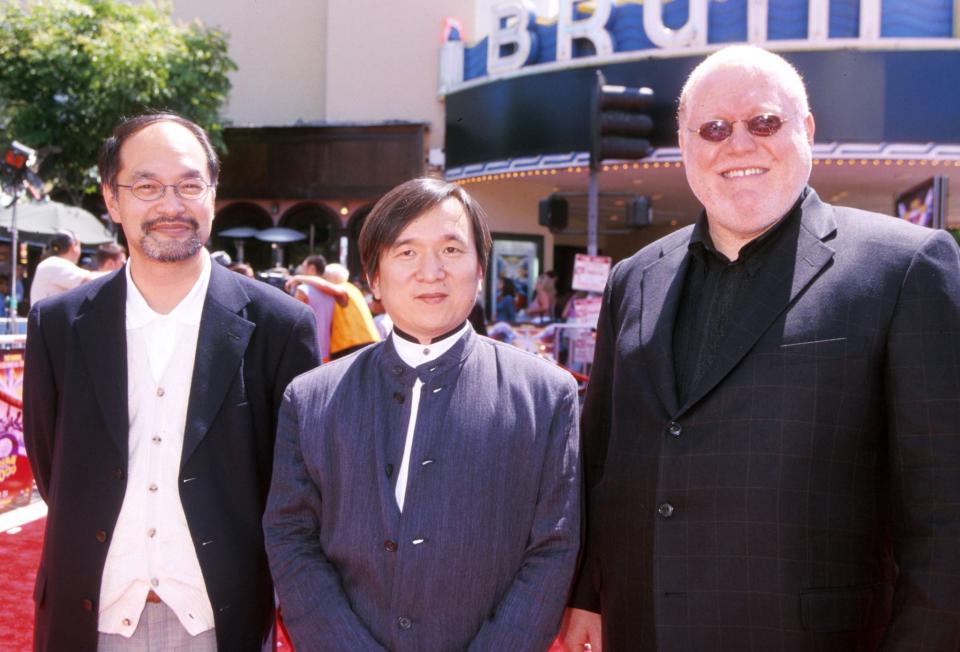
x=253 y=340
x=821 y=450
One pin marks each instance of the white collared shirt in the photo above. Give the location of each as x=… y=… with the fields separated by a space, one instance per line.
x=415 y=354
x=151 y=547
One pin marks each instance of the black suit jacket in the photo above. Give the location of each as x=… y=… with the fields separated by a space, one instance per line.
x=821 y=451
x=252 y=341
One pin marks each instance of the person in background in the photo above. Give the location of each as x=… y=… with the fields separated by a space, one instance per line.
x=506 y=300
x=221 y=257
x=380 y=317
x=477 y=317
x=243 y=269
x=426 y=491
x=321 y=302
x=352 y=325
x=58 y=271
x=544 y=302
x=110 y=257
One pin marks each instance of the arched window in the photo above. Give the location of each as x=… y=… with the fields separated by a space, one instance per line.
x=247 y=249
x=320 y=225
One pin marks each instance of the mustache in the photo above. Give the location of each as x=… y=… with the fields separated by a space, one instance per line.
x=149 y=225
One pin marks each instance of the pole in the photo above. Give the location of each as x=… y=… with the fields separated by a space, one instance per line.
x=592 y=213
x=14 y=255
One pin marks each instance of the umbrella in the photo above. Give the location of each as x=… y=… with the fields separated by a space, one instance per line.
x=238 y=232
x=39 y=220
x=279 y=235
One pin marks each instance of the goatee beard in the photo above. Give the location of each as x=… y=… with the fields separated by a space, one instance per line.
x=169 y=250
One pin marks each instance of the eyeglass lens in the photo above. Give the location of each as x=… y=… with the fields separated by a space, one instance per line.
x=763 y=125
x=186 y=189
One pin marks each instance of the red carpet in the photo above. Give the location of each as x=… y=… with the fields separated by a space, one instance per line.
x=21 y=554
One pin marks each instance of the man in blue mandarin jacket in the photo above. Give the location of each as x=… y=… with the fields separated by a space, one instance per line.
x=426 y=488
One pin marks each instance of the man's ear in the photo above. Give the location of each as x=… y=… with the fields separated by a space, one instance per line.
x=810 y=125
x=112 y=201
x=374 y=283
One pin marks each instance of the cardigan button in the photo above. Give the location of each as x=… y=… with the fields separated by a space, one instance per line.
x=101 y=536
x=404 y=623
x=665 y=510
x=87 y=604
x=118 y=473
x=390 y=546
x=674 y=429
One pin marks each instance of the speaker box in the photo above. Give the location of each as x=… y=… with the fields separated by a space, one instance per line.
x=638 y=212
x=553 y=213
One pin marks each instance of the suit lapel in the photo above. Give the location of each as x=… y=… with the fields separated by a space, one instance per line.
x=797 y=258
x=661 y=288
x=221 y=343
x=102 y=333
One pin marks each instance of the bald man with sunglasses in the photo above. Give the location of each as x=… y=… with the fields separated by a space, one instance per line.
x=771 y=434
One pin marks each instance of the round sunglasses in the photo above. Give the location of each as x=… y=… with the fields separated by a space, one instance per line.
x=763 y=125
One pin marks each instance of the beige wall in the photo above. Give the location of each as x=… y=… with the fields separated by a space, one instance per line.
x=383 y=60
x=333 y=60
x=512 y=207
x=279 y=48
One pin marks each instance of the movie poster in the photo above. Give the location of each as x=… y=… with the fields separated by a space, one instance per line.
x=519 y=261
x=16 y=478
x=924 y=204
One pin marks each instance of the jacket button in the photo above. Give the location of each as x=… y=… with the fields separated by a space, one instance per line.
x=665 y=510
x=118 y=473
x=390 y=546
x=101 y=536
x=404 y=623
x=674 y=429
x=87 y=604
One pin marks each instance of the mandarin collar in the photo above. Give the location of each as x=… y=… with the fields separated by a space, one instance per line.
x=415 y=354
x=450 y=360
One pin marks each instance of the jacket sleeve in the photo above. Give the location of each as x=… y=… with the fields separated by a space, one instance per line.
x=40 y=400
x=922 y=381
x=300 y=354
x=595 y=435
x=528 y=616
x=316 y=610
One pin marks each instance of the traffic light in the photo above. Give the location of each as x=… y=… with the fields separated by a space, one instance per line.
x=619 y=122
x=553 y=213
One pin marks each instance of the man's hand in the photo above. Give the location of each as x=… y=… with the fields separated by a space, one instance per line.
x=580 y=628
x=292 y=282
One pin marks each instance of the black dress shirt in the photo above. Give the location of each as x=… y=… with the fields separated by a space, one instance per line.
x=715 y=291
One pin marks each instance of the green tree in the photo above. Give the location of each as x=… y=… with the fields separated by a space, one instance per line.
x=71 y=69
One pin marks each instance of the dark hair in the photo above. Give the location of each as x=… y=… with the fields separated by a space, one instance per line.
x=509 y=287
x=60 y=243
x=405 y=203
x=109 y=159
x=241 y=268
x=318 y=261
x=109 y=251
